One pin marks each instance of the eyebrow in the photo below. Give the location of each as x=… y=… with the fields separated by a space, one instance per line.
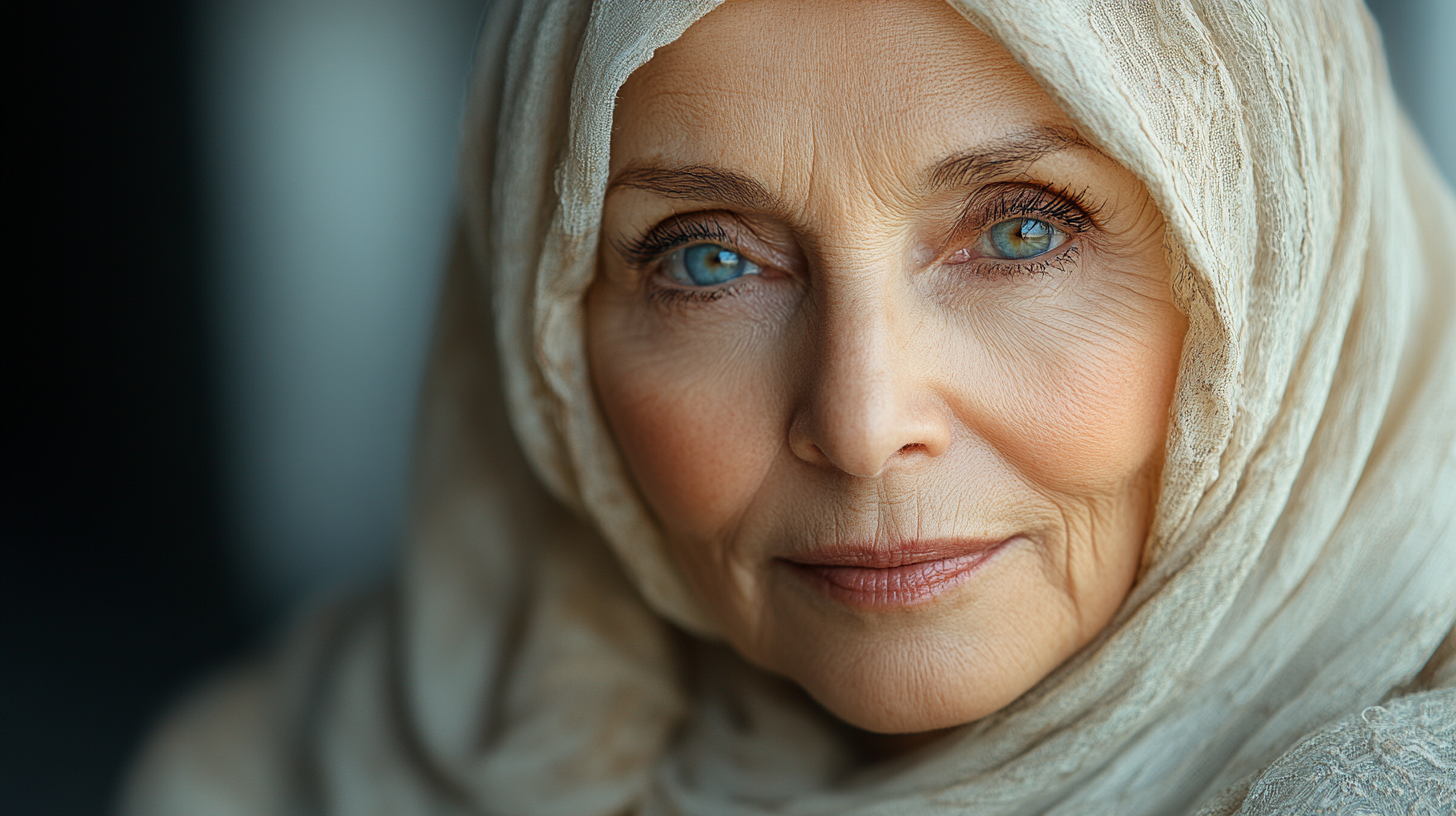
x=696 y=183
x=971 y=167
x=967 y=168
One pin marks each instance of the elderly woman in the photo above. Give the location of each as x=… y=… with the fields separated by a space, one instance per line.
x=983 y=407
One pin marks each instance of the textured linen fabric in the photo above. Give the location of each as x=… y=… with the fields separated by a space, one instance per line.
x=1282 y=650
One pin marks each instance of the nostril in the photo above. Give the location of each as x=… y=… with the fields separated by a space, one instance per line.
x=915 y=447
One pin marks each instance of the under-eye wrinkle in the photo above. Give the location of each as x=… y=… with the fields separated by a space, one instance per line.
x=674 y=296
x=1061 y=262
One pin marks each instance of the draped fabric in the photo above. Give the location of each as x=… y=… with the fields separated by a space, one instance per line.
x=539 y=653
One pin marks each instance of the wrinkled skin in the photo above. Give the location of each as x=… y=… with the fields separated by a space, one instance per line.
x=882 y=379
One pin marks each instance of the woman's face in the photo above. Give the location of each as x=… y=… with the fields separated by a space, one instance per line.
x=888 y=348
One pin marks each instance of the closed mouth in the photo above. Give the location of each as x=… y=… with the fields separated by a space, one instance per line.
x=904 y=575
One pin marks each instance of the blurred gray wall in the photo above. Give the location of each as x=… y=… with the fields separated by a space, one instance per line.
x=331 y=135
x=1420 y=43
x=331 y=130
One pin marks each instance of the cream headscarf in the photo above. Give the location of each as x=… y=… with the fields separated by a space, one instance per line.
x=1299 y=573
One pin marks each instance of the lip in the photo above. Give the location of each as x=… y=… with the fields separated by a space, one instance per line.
x=902 y=575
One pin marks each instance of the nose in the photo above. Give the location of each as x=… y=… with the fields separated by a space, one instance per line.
x=870 y=402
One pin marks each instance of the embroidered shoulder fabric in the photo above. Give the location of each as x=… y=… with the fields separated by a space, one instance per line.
x=1397 y=759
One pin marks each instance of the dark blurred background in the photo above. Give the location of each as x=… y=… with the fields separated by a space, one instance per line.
x=227 y=221
x=228 y=218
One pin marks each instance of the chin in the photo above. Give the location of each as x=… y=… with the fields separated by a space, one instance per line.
x=924 y=667
x=908 y=686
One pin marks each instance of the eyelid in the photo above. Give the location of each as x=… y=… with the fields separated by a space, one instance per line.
x=667 y=236
x=682 y=230
x=1062 y=208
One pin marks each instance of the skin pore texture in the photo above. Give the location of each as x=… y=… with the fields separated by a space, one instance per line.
x=888 y=349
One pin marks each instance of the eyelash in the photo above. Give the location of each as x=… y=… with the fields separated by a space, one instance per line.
x=1032 y=266
x=671 y=296
x=1062 y=207
x=1065 y=209
x=659 y=241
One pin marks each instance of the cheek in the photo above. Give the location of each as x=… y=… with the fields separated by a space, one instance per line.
x=696 y=429
x=1082 y=391
x=1103 y=417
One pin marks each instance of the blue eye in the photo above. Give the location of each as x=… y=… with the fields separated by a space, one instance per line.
x=707 y=265
x=1017 y=238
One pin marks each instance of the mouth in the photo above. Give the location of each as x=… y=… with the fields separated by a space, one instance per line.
x=903 y=575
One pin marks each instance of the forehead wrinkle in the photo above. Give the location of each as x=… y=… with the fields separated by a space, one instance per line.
x=861 y=203
x=688 y=164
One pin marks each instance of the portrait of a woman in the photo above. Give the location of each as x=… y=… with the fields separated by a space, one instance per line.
x=901 y=407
